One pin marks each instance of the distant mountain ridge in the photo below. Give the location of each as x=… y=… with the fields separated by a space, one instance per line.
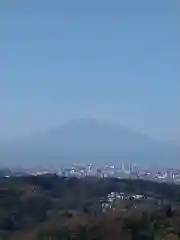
x=89 y=140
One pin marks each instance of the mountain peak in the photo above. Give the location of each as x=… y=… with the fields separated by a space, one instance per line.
x=93 y=140
x=86 y=119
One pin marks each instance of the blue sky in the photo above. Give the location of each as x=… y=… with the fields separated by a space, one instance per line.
x=114 y=59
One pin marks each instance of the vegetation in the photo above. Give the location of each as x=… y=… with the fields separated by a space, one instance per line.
x=52 y=207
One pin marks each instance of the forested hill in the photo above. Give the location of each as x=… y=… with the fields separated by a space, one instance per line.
x=51 y=206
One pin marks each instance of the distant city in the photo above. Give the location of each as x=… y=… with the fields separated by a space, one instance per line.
x=126 y=171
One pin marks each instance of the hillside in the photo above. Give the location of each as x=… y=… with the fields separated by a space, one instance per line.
x=52 y=207
x=89 y=140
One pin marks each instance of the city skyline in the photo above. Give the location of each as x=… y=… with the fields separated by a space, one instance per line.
x=89 y=119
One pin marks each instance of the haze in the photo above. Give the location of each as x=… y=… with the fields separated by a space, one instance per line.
x=115 y=60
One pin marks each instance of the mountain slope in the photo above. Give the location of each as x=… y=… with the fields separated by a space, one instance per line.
x=89 y=140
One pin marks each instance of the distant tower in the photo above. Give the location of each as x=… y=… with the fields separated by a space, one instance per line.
x=122 y=167
x=134 y=167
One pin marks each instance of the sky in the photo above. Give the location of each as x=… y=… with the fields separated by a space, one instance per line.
x=116 y=60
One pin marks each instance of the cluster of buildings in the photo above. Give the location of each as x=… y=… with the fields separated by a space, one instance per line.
x=109 y=171
x=125 y=172
x=122 y=201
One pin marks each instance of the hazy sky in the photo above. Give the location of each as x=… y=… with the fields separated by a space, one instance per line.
x=114 y=59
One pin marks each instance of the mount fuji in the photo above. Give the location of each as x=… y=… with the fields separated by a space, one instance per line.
x=89 y=140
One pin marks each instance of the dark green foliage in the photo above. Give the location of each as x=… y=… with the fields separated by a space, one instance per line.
x=26 y=203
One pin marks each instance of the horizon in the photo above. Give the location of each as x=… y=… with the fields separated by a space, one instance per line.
x=83 y=119
x=115 y=61
x=87 y=141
